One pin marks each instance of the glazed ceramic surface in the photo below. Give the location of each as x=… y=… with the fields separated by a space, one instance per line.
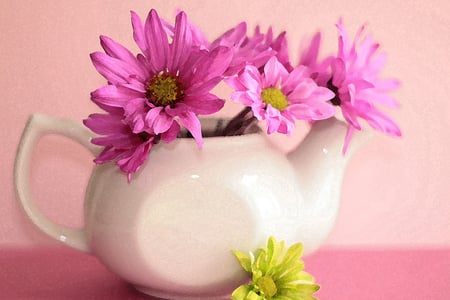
x=171 y=230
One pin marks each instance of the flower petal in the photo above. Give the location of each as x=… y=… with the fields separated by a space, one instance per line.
x=104 y=123
x=190 y=121
x=212 y=65
x=274 y=72
x=138 y=32
x=171 y=133
x=118 y=51
x=158 y=44
x=309 y=56
x=114 y=95
x=182 y=40
x=133 y=159
x=162 y=123
x=204 y=104
x=152 y=115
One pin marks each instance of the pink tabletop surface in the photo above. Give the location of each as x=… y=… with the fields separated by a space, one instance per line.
x=59 y=273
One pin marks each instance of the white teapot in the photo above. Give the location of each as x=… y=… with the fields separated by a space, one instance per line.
x=170 y=232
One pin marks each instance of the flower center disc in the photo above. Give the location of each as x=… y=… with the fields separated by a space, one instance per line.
x=274 y=97
x=164 y=89
x=267 y=286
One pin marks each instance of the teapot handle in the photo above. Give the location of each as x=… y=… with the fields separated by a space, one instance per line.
x=37 y=126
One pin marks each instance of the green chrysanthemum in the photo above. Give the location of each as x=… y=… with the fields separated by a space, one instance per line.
x=276 y=274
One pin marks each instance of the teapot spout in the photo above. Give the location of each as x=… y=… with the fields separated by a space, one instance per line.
x=320 y=166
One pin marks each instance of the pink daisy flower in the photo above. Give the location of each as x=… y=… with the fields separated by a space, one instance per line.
x=128 y=149
x=279 y=97
x=166 y=86
x=353 y=75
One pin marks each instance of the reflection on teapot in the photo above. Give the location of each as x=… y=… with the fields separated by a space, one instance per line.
x=171 y=230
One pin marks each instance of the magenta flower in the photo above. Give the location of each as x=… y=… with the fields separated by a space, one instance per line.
x=166 y=86
x=353 y=75
x=279 y=97
x=128 y=149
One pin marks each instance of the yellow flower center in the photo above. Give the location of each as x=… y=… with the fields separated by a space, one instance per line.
x=267 y=286
x=274 y=97
x=164 y=89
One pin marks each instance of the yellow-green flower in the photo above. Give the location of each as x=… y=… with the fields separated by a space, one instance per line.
x=276 y=274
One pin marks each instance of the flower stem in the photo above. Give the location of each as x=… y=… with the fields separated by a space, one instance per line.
x=240 y=123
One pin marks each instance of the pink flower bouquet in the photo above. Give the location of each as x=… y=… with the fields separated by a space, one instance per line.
x=153 y=96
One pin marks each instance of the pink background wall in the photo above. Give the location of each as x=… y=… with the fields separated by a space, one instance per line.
x=396 y=190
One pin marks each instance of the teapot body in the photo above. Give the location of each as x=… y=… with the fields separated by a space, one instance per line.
x=171 y=230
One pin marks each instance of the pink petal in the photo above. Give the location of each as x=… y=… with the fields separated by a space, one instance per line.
x=251 y=79
x=298 y=74
x=232 y=37
x=212 y=64
x=152 y=115
x=338 y=70
x=272 y=118
x=383 y=99
x=204 y=104
x=119 y=141
x=134 y=159
x=113 y=95
x=138 y=32
x=198 y=37
x=344 y=41
x=303 y=90
x=116 y=50
x=350 y=115
x=259 y=110
x=234 y=83
x=171 y=133
x=362 y=84
x=136 y=106
x=387 y=85
x=181 y=43
x=190 y=121
x=351 y=93
x=107 y=154
x=247 y=98
x=179 y=109
x=280 y=45
x=383 y=123
x=203 y=87
x=376 y=64
x=348 y=138
x=322 y=94
x=186 y=70
x=309 y=56
x=274 y=72
x=162 y=123
x=303 y=111
x=113 y=69
x=158 y=44
x=104 y=124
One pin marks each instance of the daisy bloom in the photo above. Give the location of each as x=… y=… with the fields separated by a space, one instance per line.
x=276 y=274
x=280 y=97
x=167 y=85
x=128 y=149
x=353 y=75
